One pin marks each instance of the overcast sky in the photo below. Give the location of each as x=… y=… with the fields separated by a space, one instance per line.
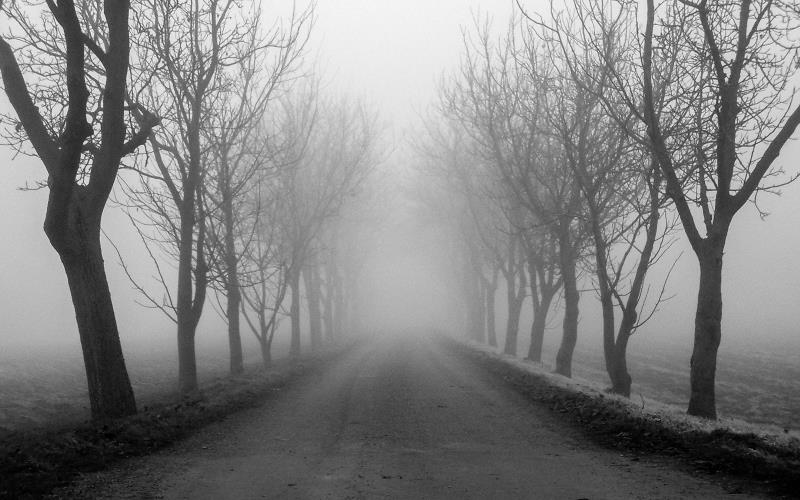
x=392 y=53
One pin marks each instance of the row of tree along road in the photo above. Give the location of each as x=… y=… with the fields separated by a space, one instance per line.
x=580 y=143
x=233 y=166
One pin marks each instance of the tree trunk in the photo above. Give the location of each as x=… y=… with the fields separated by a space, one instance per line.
x=232 y=290
x=571 y=312
x=354 y=300
x=328 y=301
x=327 y=315
x=266 y=352
x=312 y=285
x=610 y=351
x=618 y=369
x=540 y=311
x=340 y=317
x=491 y=327
x=707 y=330
x=480 y=309
x=515 y=300
x=110 y=392
x=187 y=361
x=234 y=336
x=294 y=311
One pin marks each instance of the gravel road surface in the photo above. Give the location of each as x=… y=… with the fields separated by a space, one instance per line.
x=394 y=418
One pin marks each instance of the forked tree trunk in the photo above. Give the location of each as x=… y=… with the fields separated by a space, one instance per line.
x=75 y=209
x=516 y=297
x=294 y=311
x=540 y=310
x=707 y=330
x=571 y=298
x=110 y=392
x=515 y=294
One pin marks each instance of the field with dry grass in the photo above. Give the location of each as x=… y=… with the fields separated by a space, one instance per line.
x=759 y=384
x=46 y=387
x=756 y=383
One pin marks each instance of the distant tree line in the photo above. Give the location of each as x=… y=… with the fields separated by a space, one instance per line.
x=570 y=148
x=237 y=171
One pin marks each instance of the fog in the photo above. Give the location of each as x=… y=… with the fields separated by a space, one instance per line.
x=393 y=54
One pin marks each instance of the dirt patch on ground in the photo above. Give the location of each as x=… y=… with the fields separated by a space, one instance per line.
x=751 y=459
x=34 y=463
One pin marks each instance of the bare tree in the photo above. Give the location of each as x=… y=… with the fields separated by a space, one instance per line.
x=715 y=102
x=238 y=150
x=264 y=280
x=188 y=53
x=478 y=211
x=621 y=188
x=66 y=79
x=334 y=153
x=544 y=281
x=749 y=50
x=500 y=99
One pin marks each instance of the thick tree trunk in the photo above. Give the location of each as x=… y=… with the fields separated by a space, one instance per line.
x=75 y=208
x=187 y=359
x=571 y=312
x=294 y=311
x=110 y=392
x=618 y=369
x=312 y=285
x=707 y=330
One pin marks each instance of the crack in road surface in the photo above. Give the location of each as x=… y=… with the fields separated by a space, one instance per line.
x=398 y=417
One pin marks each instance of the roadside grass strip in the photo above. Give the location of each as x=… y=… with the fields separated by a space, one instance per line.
x=750 y=456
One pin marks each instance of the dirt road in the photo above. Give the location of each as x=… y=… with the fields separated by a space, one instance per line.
x=396 y=418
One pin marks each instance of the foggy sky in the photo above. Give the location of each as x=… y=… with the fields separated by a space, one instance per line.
x=393 y=53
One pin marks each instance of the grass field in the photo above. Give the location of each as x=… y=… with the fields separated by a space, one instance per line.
x=46 y=387
x=759 y=384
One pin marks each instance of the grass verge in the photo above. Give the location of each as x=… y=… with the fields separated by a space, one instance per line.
x=762 y=462
x=33 y=463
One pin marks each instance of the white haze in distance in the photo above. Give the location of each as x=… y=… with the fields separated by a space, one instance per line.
x=392 y=53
